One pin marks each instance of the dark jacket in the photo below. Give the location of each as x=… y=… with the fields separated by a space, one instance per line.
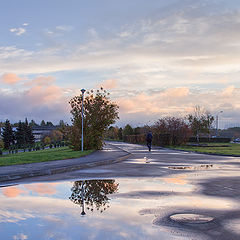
x=149 y=137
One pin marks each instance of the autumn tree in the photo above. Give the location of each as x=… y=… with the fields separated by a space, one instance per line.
x=176 y=128
x=93 y=194
x=99 y=113
x=200 y=121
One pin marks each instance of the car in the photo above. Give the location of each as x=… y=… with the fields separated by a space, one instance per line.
x=236 y=140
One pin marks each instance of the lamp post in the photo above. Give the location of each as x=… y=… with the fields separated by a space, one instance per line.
x=217 y=122
x=83 y=91
x=82 y=196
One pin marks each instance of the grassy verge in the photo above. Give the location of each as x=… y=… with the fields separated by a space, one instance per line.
x=214 y=148
x=41 y=156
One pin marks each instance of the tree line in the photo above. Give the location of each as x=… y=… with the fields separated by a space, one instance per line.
x=22 y=136
x=175 y=130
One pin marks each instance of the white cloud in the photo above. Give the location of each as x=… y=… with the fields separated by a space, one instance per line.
x=20 y=236
x=18 y=31
x=66 y=28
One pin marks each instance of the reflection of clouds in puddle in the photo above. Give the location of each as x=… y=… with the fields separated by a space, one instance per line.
x=176 y=184
x=121 y=220
x=179 y=179
x=233 y=225
x=42 y=188
x=20 y=236
x=12 y=191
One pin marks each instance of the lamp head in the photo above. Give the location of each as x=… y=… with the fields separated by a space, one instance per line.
x=83 y=91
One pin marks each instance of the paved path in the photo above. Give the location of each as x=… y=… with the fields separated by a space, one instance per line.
x=110 y=154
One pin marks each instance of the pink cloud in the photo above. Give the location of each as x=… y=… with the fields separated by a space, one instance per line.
x=41 y=81
x=176 y=92
x=10 y=78
x=109 y=84
x=12 y=192
x=42 y=188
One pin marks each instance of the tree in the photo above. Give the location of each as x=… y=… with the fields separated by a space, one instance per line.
x=24 y=133
x=28 y=132
x=200 y=121
x=128 y=130
x=56 y=135
x=99 y=113
x=33 y=123
x=20 y=134
x=42 y=124
x=112 y=133
x=120 y=133
x=7 y=134
x=176 y=128
x=49 y=124
x=93 y=193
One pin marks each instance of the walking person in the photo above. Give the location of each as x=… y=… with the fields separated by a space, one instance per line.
x=149 y=140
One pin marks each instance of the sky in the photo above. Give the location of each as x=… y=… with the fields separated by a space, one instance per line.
x=157 y=58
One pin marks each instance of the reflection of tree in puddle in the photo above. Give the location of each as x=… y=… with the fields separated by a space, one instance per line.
x=93 y=193
x=204 y=166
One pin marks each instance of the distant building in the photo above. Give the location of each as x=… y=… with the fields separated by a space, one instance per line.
x=40 y=131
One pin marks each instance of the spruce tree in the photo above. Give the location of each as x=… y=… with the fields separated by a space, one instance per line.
x=28 y=132
x=7 y=134
x=20 y=134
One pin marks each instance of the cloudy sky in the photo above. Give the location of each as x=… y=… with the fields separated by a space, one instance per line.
x=157 y=58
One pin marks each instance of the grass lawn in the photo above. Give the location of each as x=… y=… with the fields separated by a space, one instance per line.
x=215 y=148
x=41 y=156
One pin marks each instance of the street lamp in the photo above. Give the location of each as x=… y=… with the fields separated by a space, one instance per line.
x=217 y=122
x=83 y=91
x=82 y=196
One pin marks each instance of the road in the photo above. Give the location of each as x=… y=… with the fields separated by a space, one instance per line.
x=200 y=196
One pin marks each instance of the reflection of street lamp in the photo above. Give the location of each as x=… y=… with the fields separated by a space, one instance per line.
x=83 y=91
x=217 y=122
x=82 y=196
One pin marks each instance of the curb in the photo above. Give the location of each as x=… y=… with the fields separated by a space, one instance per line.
x=18 y=176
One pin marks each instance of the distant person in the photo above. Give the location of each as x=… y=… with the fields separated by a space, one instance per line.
x=149 y=140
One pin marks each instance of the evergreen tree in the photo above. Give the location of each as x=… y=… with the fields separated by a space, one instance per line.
x=120 y=133
x=33 y=123
x=43 y=123
x=7 y=134
x=128 y=130
x=28 y=132
x=49 y=124
x=20 y=134
x=24 y=133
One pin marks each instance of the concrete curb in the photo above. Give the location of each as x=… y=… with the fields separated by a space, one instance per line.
x=37 y=173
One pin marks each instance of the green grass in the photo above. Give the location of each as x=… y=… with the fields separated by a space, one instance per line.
x=41 y=156
x=214 y=148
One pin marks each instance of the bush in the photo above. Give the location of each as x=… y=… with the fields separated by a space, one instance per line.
x=1 y=144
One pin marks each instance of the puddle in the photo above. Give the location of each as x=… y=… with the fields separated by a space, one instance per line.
x=99 y=209
x=144 y=160
x=233 y=225
x=198 y=167
x=191 y=218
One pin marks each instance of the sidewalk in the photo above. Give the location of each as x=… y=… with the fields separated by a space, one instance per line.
x=110 y=154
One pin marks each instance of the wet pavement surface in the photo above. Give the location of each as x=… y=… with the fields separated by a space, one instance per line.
x=163 y=194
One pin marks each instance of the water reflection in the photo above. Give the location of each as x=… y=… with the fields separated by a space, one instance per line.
x=93 y=194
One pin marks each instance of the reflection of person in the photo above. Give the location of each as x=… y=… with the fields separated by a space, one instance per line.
x=149 y=140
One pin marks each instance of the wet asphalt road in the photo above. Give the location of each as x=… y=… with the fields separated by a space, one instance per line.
x=212 y=184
